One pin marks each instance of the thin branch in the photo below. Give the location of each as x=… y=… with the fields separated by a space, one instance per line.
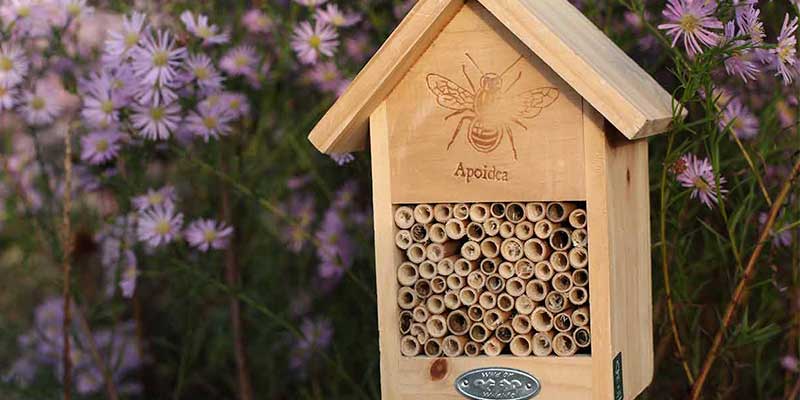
x=742 y=288
x=111 y=388
x=66 y=264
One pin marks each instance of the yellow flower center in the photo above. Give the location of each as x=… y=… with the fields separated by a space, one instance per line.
x=338 y=20
x=241 y=60
x=701 y=184
x=24 y=11
x=155 y=198
x=131 y=39
x=235 y=104
x=204 y=32
x=202 y=73
x=163 y=227
x=73 y=9
x=107 y=106
x=689 y=23
x=209 y=235
x=3 y=91
x=329 y=76
x=102 y=145
x=315 y=41
x=210 y=122
x=6 y=64
x=157 y=113
x=160 y=58
x=37 y=103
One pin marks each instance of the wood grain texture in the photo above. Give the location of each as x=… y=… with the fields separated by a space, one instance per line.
x=431 y=153
x=344 y=127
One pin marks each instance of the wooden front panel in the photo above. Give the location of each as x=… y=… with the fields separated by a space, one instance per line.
x=481 y=118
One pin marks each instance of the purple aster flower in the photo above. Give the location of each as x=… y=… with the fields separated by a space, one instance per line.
x=209 y=121
x=256 y=21
x=100 y=105
x=157 y=58
x=8 y=97
x=312 y=42
x=39 y=106
x=13 y=65
x=76 y=9
x=328 y=78
x=740 y=119
x=693 y=20
x=333 y=15
x=100 y=147
x=698 y=175
x=159 y=225
x=358 y=46
x=335 y=248
x=240 y=60
x=129 y=276
x=301 y=209
x=198 y=26
x=342 y=158
x=163 y=197
x=205 y=234
x=157 y=121
x=779 y=239
x=121 y=42
x=317 y=337
x=236 y=103
x=748 y=19
x=741 y=62
x=201 y=69
x=784 y=54
x=310 y=3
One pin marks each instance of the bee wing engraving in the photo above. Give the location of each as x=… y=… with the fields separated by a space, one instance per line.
x=449 y=94
x=529 y=104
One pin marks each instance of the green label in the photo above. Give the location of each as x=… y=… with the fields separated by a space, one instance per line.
x=619 y=389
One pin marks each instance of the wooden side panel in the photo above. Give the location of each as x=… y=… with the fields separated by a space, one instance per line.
x=480 y=117
x=619 y=258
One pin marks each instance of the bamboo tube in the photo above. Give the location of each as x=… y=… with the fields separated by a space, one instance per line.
x=437 y=326
x=487 y=300
x=437 y=252
x=454 y=346
x=536 y=250
x=427 y=269
x=478 y=332
x=515 y=213
x=563 y=322
x=559 y=211
x=564 y=346
x=577 y=219
x=524 y=230
x=512 y=249
x=578 y=296
x=524 y=305
x=580 y=237
x=562 y=282
x=471 y=251
x=561 y=239
x=464 y=267
x=461 y=212
x=520 y=345
x=423 y=289
x=491 y=226
x=543 y=229
x=494 y=318
x=438 y=233
x=423 y=213
x=475 y=232
x=505 y=302
x=468 y=296
x=455 y=229
x=476 y=313
x=582 y=337
x=458 y=323
x=420 y=332
x=479 y=212
x=409 y=346
x=433 y=347
x=507 y=230
x=404 y=217
x=472 y=349
x=489 y=265
x=495 y=284
x=543 y=271
x=446 y=266
x=578 y=257
x=580 y=317
x=490 y=247
x=559 y=260
x=493 y=347
x=536 y=290
x=407 y=274
x=416 y=253
x=442 y=213
x=524 y=268
x=421 y=314
x=542 y=344
x=556 y=302
x=452 y=301
x=476 y=280
x=521 y=324
x=403 y=239
x=580 y=277
x=542 y=320
x=406 y=319
x=535 y=211
x=505 y=333
x=435 y=304
x=455 y=282
x=420 y=233
x=498 y=210
x=438 y=284
x=515 y=287
x=407 y=298
x=506 y=270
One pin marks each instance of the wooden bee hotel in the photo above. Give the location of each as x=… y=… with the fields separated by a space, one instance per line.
x=511 y=202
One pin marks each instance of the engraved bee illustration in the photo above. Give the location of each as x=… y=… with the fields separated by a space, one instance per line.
x=489 y=111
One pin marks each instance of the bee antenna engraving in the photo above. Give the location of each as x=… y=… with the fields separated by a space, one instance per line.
x=511 y=66
x=474 y=63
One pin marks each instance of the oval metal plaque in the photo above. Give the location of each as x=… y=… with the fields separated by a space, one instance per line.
x=498 y=383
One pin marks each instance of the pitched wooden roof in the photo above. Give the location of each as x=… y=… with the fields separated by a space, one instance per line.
x=554 y=30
